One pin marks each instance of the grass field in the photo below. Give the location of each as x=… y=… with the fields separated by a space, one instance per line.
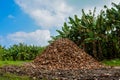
x=17 y=63
x=114 y=62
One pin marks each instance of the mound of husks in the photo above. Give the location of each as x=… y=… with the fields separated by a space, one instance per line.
x=65 y=54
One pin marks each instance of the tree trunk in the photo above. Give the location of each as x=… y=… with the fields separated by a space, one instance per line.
x=100 y=50
x=94 y=49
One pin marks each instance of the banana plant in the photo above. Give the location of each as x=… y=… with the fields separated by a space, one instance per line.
x=95 y=34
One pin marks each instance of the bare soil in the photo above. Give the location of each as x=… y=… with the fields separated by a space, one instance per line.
x=81 y=74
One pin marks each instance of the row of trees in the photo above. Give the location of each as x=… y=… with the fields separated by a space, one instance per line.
x=97 y=35
x=20 y=52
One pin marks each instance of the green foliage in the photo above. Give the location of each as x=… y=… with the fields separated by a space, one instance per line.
x=97 y=35
x=114 y=62
x=2 y=51
x=20 y=52
x=112 y=44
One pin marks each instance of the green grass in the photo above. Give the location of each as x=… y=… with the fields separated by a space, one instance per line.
x=114 y=62
x=8 y=76
x=17 y=63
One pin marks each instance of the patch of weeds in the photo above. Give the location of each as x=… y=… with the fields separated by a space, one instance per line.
x=9 y=76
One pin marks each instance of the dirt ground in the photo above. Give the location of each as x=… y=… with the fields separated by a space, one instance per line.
x=83 y=74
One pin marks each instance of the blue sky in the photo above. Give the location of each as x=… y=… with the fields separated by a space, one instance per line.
x=34 y=21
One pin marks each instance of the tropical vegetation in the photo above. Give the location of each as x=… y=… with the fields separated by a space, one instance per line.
x=98 y=35
x=20 y=51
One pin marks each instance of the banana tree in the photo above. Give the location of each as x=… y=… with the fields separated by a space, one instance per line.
x=113 y=22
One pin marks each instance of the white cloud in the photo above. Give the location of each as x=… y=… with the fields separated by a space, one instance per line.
x=47 y=13
x=115 y=1
x=100 y=6
x=52 y=13
x=11 y=16
x=38 y=37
